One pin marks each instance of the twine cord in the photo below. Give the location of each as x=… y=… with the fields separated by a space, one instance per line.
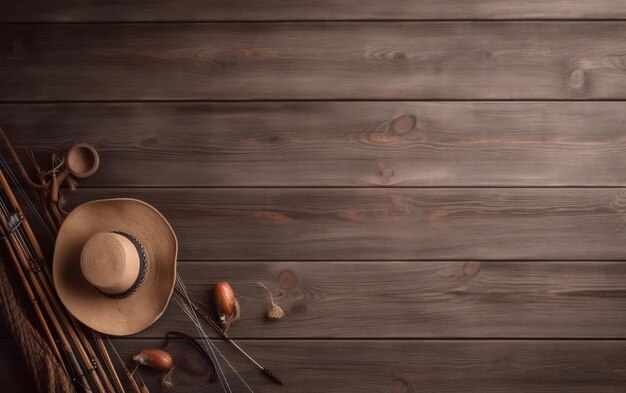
x=47 y=371
x=57 y=163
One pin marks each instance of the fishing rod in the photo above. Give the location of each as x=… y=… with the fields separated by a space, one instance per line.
x=50 y=209
x=130 y=375
x=107 y=361
x=23 y=246
x=9 y=228
x=184 y=302
x=89 y=349
x=40 y=188
x=34 y=301
x=270 y=374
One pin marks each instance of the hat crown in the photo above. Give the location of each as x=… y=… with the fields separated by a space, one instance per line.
x=110 y=262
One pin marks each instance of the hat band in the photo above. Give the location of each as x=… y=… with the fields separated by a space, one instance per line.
x=143 y=268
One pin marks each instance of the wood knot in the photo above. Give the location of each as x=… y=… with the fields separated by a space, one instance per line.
x=485 y=54
x=619 y=202
x=404 y=124
x=386 y=174
x=149 y=142
x=388 y=56
x=576 y=78
x=618 y=205
x=225 y=58
x=400 y=386
x=273 y=139
x=400 y=57
x=298 y=308
x=471 y=269
x=287 y=279
x=437 y=215
x=349 y=214
x=389 y=131
x=618 y=61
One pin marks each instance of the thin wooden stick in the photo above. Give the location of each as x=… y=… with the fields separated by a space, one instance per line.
x=43 y=299
x=55 y=218
x=44 y=278
x=107 y=361
x=77 y=333
x=35 y=303
x=133 y=382
x=92 y=356
x=39 y=279
x=26 y=250
x=17 y=160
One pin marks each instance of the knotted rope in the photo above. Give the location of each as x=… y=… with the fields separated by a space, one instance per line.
x=49 y=375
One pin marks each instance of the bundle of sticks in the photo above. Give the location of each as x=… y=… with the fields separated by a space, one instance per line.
x=85 y=362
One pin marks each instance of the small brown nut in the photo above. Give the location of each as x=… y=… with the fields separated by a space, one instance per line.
x=155 y=359
x=226 y=304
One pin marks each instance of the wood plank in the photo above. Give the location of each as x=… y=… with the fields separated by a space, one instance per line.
x=415 y=299
x=197 y=10
x=335 y=143
x=389 y=224
x=468 y=366
x=404 y=366
x=250 y=61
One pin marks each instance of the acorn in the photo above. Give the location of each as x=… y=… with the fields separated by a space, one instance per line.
x=226 y=304
x=155 y=358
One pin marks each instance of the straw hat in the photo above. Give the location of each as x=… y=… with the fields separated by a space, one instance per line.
x=115 y=265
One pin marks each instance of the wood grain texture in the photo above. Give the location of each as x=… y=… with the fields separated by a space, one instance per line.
x=425 y=366
x=335 y=143
x=388 y=224
x=220 y=10
x=422 y=234
x=402 y=366
x=415 y=299
x=247 y=61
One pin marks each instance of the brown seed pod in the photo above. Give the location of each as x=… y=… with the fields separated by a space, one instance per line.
x=226 y=304
x=155 y=359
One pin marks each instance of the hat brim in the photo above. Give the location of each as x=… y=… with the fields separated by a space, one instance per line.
x=119 y=317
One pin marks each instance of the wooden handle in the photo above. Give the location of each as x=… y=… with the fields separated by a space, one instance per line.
x=57 y=180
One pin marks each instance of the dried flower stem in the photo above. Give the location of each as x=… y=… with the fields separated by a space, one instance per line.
x=274 y=311
x=268 y=291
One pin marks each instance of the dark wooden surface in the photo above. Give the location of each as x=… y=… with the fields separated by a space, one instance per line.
x=343 y=144
x=252 y=10
x=389 y=223
x=313 y=60
x=433 y=190
x=356 y=366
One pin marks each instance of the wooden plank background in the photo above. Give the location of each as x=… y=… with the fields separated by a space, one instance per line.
x=433 y=190
x=251 y=10
x=339 y=144
x=313 y=60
